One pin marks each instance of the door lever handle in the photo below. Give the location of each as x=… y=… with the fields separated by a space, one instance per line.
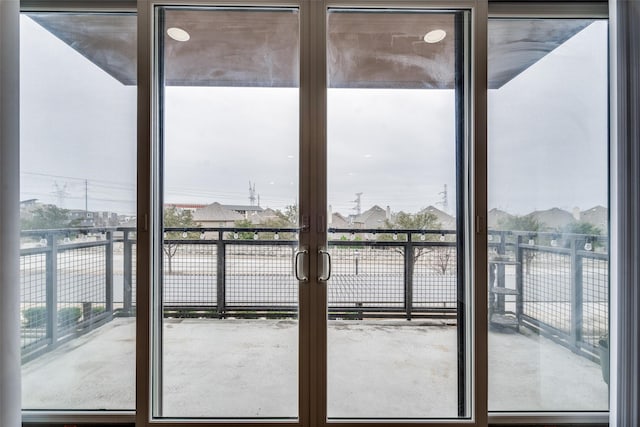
x=298 y=265
x=325 y=266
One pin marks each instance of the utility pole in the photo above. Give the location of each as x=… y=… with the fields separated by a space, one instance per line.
x=86 y=198
x=252 y=194
x=445 y=199
x=358 y=202
x=61 y=193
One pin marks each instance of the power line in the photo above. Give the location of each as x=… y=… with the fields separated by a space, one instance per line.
x=76 y=178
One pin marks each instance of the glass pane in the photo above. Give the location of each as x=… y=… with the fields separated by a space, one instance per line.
x=396 y=343
x=229 y=298
x=548 y=218
x=78 y=176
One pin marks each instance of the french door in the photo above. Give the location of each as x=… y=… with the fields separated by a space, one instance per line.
x=308 y=227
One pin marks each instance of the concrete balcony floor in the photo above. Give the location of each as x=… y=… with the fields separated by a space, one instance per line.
x=248 y=368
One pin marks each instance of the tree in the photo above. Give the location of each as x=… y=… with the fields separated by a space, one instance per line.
x=523 y=223
x=244 y=223
x=290 y=214
x=48 y=217
x=286 y=219
x=520 y=223
x=173 y=217
x=419 y=221
x=581 y=227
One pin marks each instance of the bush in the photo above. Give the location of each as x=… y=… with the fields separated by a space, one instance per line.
x=35 y=317
x=69 y=316
x=97 y=310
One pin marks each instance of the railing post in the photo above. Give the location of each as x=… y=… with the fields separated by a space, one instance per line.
x=108 y=269
x=52 y=289
x=576 y=295
x=500 y=272
x=519 y=279
x=220 y=276
x=408 y=276
x=127 y=275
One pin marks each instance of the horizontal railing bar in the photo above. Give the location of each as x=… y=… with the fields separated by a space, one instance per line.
x=391 y=231
x=233 y=229
x=595 y=255
x=394 y=243
x=80 y=230
x=231 y=242
x=369 y=308
x=35 y=251
x=550 y=249
x=82 y=245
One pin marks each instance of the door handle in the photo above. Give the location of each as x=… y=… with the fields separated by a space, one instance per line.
x=324 y=254
x=298 y=265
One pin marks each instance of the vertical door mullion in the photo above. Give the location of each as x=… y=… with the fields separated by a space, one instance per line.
x=305 y=212
x=477 y=188
x=145 y=221
x=318 y=203
x=461 y=204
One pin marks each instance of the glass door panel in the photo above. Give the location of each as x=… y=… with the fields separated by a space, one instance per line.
x=227 y=330
x=548 y=215
x=395 y=339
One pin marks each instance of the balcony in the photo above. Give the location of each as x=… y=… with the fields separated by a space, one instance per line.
x=548 y=303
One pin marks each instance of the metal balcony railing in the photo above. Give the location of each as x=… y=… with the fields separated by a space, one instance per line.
x=74 y=280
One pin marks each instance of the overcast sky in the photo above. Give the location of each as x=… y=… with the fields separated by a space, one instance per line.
x=547 y=128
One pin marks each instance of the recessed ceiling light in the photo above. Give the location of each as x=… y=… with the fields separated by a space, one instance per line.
x=435 y=36
x=179 y=35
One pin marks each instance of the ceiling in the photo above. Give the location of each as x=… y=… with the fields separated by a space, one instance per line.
x=260 y=47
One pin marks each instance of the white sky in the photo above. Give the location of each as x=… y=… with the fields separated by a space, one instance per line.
x=548 y=137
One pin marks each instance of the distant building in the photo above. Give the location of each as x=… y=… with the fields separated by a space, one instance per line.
x=338 y=221
x=105 y=219
x=217 y=215
x=374 y=217
x=244 y=210
x=447 y=222
x=192 y=207
x=81 y=218
x=553 y=219
x=497 y=217
x=598 y=216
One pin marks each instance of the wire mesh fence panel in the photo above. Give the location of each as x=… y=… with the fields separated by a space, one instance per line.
x=33 y=296
x=366 y=276
x=81 y=279
x=260 y=276
x=595 y=309
x=189 y=275
x=435 y=277
x=546 y=283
